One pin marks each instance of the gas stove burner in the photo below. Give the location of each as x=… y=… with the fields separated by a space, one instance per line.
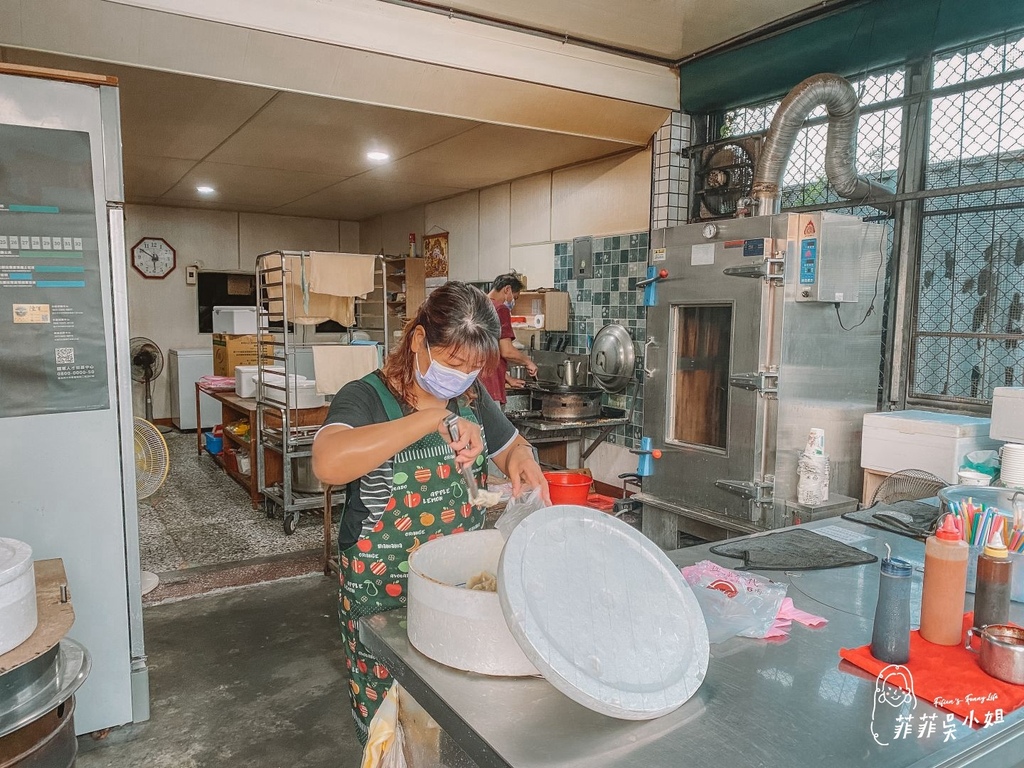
x=523 y=414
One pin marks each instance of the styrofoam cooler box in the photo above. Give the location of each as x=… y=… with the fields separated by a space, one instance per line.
x=933 y=442
x=302 y=392
x=245 y=378
x=18 y=618
x=1007 y=414
x=234 y=320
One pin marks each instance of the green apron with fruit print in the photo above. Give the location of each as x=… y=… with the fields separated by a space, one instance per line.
x=428 y=499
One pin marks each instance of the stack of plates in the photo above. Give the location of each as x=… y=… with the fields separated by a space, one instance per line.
x=1011 y=473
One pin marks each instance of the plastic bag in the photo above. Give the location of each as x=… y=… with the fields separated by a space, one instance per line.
x=734 y=603
x=986 y=462
x=385 y=742
x=518 y=509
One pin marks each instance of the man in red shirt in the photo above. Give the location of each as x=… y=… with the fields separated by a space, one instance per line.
x=504 y=292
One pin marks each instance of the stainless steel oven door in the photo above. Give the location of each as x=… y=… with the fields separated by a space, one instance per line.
x=709 y=404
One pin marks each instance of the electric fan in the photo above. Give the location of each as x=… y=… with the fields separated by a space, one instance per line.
x=147 y=364
x=907 y=485
x=723 y=174
x=152 y=462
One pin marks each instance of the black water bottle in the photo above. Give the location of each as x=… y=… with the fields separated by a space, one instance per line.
x=890 y=638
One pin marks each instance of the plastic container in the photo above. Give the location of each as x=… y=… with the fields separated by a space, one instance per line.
x=1008 y=414
x=992 y=596
x=945 y=584
x=234 y=320
x=18 y=616
x=569 y=487
x=303 y=391
x=459 y=627
x=890 y=636
x=214 y=440
x=1016 y=579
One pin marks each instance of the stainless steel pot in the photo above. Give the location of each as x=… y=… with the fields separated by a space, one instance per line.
x=303 y=479
x=569 y=402
x=517 y=371
x=1002 y=651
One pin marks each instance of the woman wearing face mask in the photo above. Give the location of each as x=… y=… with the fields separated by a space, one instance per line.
x=386 y=438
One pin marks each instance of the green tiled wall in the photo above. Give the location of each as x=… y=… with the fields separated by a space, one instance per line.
x=610 y=296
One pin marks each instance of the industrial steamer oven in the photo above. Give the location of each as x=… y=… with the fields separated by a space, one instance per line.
x=748 y=353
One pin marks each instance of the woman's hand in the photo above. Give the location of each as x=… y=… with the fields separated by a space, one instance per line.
x=470 y=442
x=522 y=469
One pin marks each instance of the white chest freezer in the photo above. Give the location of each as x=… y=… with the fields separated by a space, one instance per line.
x=185 y=368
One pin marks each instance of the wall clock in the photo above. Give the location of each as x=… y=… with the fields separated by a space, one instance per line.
x=153 y=258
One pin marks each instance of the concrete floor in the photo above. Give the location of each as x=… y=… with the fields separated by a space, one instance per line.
x=253 y=677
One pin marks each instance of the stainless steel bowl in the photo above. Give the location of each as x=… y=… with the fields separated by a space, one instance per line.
x=1001 y=653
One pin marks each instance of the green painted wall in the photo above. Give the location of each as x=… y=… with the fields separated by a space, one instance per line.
x=874 y=34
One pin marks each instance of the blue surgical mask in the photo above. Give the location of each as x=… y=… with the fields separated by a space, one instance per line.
x=510 y=304
x=443 y=382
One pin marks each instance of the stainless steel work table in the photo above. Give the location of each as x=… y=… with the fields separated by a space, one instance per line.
x=763 y=703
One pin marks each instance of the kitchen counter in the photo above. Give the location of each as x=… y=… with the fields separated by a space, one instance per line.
x=763 y=703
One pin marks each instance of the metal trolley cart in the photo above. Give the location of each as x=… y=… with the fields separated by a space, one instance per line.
x=285 y=429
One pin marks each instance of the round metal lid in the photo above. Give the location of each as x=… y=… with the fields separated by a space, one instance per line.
x=612 y=358
x=58 y=679
x=602 y=613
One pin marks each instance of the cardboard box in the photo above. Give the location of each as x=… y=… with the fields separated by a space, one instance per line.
x=230 y=350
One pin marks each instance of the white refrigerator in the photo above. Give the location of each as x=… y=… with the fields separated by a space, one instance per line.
x=186 y=367
x=67 y=464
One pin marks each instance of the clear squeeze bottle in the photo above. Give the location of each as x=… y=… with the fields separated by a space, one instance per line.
x=995 y=571
x=945 y=584
x=890 y=637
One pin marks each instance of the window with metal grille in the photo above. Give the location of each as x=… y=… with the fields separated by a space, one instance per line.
x=971 y=278
x=967 y=294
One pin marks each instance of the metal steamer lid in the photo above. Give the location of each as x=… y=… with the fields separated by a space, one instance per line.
x=612 y=358
x=602 y=613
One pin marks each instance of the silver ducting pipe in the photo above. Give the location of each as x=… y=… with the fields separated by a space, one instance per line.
x=840 y=99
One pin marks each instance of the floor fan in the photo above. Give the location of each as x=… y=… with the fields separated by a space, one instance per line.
x=147 y=364
x=152 y=463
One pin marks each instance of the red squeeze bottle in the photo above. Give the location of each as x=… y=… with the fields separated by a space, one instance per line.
x=945 y=584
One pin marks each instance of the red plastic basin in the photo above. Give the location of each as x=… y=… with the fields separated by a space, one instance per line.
x=568 y=487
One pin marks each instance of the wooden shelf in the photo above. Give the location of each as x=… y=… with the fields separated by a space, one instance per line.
x=243 y=442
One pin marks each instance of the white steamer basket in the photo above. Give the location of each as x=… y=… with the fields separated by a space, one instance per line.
x=17 y=594
x=459 y=627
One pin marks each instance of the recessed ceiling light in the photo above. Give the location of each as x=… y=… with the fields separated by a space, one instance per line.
x=205 y=189
x=378 y=156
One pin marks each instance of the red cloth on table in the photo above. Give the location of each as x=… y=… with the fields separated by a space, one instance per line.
x=948 y=677
x=494 y=379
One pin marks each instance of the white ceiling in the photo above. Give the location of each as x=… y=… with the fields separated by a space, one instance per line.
x=267 y=151
x=273 y=151
x=667 y=29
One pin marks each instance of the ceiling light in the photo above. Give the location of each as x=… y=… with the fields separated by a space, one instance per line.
x=204 y=189
x=378 y=156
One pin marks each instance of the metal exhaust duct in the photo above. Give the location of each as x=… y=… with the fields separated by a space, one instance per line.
x=840 y=99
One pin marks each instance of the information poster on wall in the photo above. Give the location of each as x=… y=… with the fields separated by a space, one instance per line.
x=53 y=356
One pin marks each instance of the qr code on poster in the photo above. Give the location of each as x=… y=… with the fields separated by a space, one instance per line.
x=65 y=355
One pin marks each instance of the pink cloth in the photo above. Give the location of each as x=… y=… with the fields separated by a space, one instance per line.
x=217 y=383
x=788 y=613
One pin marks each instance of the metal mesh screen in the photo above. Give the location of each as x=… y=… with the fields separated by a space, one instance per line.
x=967 y=329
